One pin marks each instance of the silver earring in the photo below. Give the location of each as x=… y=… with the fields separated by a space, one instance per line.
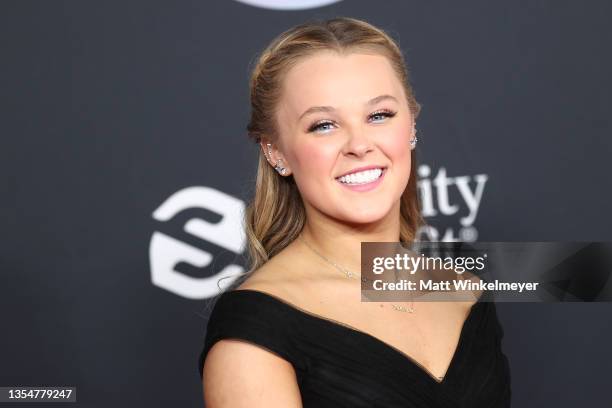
x=280 y=168
x=414 y=140
x=269 y=151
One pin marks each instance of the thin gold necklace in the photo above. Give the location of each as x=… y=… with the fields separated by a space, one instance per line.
x=352 y=275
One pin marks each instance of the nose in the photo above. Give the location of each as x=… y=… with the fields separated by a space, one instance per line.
x=358 y=143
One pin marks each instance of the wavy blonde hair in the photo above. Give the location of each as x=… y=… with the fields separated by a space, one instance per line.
x=276 y=214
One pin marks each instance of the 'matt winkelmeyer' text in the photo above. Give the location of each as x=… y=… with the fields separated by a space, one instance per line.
x=461 y=285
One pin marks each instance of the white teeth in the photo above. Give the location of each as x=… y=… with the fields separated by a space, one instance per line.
x=361 y=177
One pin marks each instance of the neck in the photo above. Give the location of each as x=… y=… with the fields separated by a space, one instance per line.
x=341 y=242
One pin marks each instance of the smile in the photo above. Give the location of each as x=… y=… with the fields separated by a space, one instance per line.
x=364 y=180
x=361 y=177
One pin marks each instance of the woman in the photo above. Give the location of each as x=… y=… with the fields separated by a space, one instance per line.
x=334 y=114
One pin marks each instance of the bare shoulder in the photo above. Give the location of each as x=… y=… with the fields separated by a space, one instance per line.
x=238 y=373
x=241 y=374
x=281 y=276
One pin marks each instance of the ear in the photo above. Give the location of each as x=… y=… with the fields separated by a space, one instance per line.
x=274 y=156
x=266 y=149
x=414 y=138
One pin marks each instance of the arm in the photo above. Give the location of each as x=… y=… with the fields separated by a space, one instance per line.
x=241 y=374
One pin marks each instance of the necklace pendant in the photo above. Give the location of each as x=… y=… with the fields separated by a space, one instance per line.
x=349 y=274
x=399 y=308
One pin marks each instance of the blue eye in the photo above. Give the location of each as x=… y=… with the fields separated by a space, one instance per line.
x=382 y=114
x=319 y=126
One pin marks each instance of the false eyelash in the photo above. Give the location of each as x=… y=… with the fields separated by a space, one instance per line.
x=387 y=112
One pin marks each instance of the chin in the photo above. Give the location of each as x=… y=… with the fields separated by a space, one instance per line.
x=366 y=215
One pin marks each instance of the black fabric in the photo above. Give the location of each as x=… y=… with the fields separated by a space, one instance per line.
x=338 y=366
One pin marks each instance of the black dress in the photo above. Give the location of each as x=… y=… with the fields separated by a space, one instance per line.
x=339 y=366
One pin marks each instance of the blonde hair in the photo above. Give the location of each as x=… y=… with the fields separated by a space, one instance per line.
x=276 y=215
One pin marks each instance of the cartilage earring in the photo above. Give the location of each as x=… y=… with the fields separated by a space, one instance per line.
x=269 y=150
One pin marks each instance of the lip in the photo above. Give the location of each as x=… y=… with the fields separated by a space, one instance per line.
x=367 y=186
x=358 y=169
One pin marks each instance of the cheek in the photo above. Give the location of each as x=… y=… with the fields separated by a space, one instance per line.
x=399 y=153
x=312 y=161
x=398 y=149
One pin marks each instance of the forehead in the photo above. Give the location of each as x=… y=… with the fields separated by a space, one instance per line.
x=331 y=79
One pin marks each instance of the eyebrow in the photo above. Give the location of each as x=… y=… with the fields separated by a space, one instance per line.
x=371 y=102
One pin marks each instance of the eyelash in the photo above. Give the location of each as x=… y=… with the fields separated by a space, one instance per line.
x=384 y=112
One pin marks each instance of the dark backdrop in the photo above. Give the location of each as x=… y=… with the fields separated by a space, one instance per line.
x=110 y=109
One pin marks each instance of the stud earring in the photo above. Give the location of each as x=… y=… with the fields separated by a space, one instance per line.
x=269 y=151
x=414 y=140
x=280 y=168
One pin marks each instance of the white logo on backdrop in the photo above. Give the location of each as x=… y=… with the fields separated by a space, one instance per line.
x=288 y=4
x=435 y=201
x=166 y=252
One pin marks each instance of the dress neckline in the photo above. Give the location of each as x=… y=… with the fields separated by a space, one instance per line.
x=379 y=342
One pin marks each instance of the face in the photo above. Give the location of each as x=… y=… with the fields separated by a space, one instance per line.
x=338 y=115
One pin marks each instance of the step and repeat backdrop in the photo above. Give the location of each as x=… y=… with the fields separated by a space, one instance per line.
x=125 y=168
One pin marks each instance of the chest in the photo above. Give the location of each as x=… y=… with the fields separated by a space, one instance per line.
x=428 y=337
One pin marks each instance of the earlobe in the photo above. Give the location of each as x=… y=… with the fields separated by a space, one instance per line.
x=283 y=171
x=276 y=163
x=414 y=139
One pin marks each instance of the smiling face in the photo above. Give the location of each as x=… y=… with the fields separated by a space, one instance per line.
x=339 y=114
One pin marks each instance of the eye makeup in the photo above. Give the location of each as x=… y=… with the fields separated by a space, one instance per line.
x=316 y=126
